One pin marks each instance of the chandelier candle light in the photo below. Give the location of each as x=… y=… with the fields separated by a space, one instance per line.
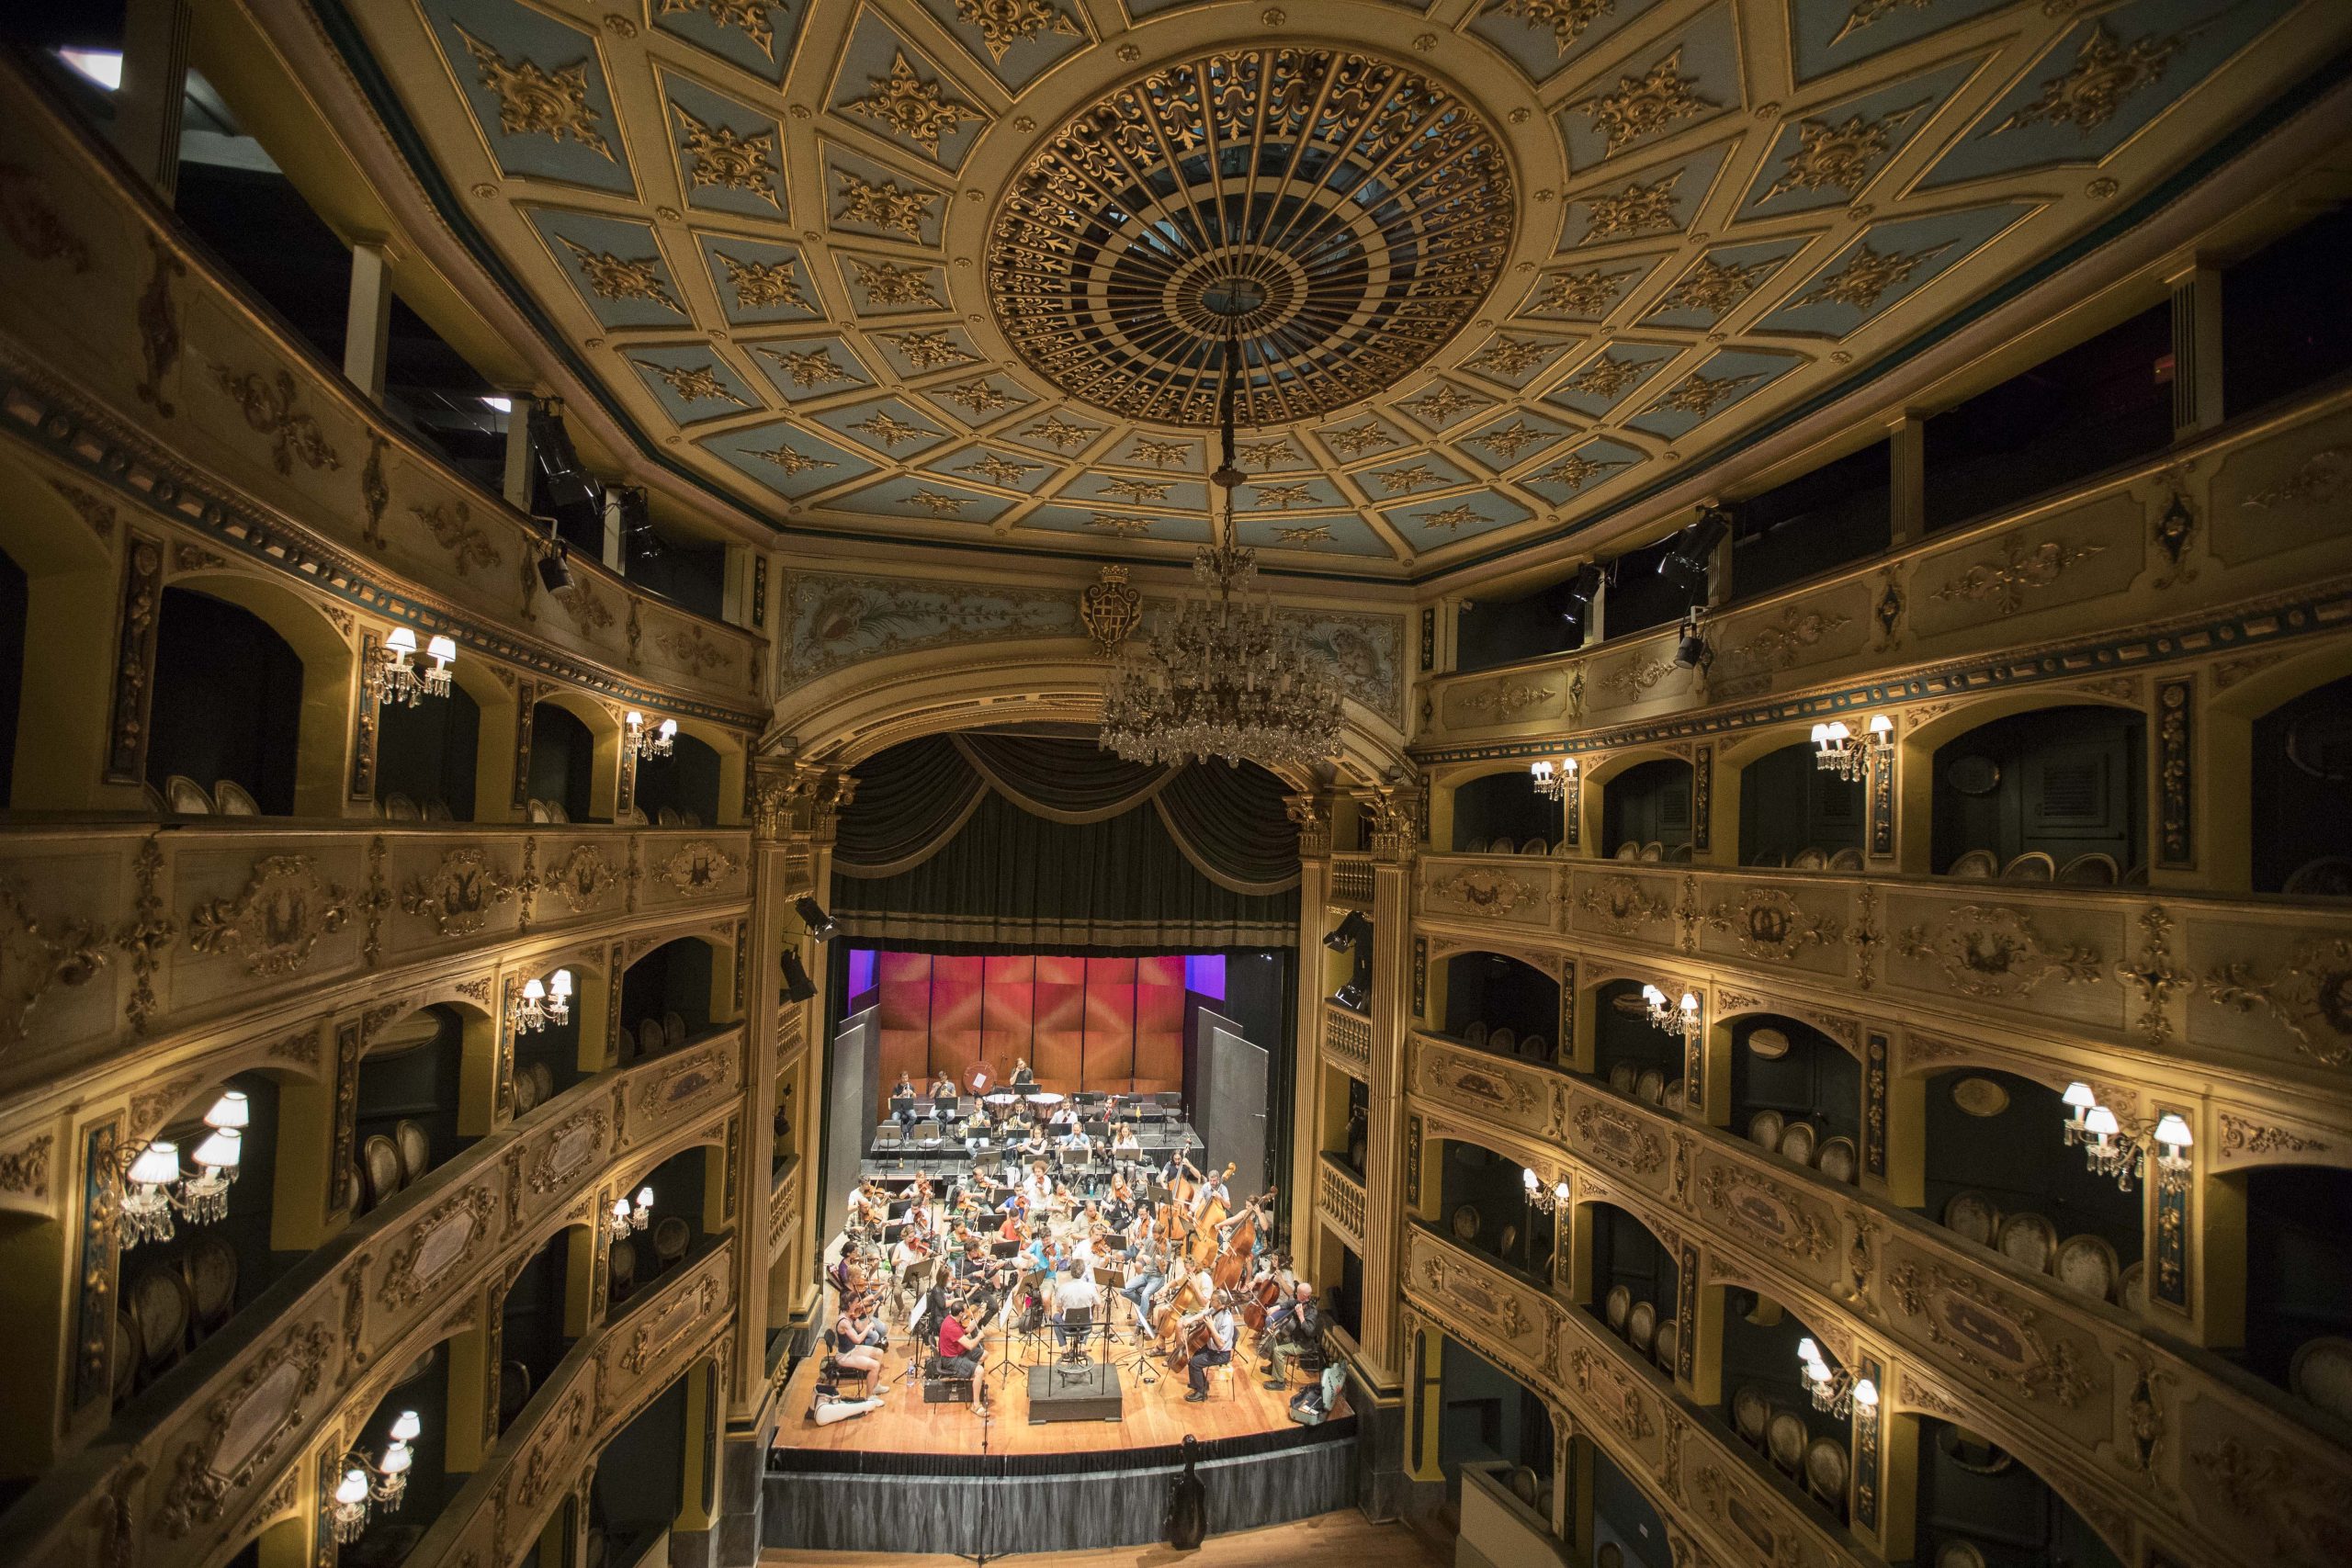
x=159 y=1188
x=1226 y=676
x=383 y=1485
x=1676 y=1018
x=542 y=1002
x=1552 y=783
x=629 y=1220
x=1834 y=1391
x=2110 y=1151
x=1838 y=751
x=394 y=677
x=1547 y=1200
x=657 y=741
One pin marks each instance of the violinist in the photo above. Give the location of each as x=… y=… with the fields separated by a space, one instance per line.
x=913 y=1247
x=1216 y=1353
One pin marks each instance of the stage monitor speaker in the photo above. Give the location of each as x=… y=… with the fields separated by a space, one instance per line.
x=1084 y=1392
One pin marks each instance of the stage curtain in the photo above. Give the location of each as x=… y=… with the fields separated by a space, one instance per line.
x=907 y=809
x=1062 y=781
x=1009 y=881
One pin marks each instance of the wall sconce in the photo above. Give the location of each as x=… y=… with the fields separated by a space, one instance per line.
x=1683 y=1018
x=159 y=1188
x=1546 y=1200
x=627 y=1220
x=383 y=1485
x=1834 y=1391
x=658 y=742
x=1838 y=751
x=1555 y=784
x=2109 y=1150
x=394 y=676
x=542 y=1002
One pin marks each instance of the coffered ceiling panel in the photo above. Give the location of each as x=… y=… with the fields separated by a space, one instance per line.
x=968 y=270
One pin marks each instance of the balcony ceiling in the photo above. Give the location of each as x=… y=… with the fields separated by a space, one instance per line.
x=962 y=270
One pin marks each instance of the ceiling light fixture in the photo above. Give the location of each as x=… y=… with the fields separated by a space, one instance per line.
x=1225 y=675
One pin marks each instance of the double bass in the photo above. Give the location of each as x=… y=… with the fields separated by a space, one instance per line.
x=1232 y=1258
x=1203 y=1245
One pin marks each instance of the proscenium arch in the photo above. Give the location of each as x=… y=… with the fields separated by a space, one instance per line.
x=329 y=690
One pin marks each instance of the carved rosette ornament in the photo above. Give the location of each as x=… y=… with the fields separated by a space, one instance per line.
x=1110 y=609
x=276 y=921
x=1768 y=922
x=458 y=895
x=1484 y=892
x=1997 y=952
x=2309 y=997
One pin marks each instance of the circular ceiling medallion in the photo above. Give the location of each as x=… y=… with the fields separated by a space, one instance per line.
x=1336 y=216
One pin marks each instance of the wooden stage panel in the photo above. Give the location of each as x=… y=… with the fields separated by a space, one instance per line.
x=1155 y=1415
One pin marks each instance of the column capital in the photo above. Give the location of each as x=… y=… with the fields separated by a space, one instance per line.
x=792 y=798
x=1312 y=815
x=1394 y=812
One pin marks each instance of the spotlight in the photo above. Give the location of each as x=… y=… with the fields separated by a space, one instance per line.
x=798 y=987
x=1581 y=590
x=1352 y=996
x=812 y=915
x=1351 y=930
x=1686 y=562
x=1692 y=652
x=568 y=484
x=555 y=571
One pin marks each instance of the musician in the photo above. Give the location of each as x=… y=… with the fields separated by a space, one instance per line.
x=1035 y=1146
x=1150 y=1275
x=1037 y=1187
x=913 y=1246
x=942 y=1086
x=978 y=1130
x=1124 y=1140
x=1216 y=1353
x=1293 y=1326
x=857 y=1328
x=958 y=1356
x=1075 y=1142
x=1065 y=1115
x=1177 y=1165
x=1213 y=1190
x=904 y=1089
x=1022 y=1077
x=1075 y=1298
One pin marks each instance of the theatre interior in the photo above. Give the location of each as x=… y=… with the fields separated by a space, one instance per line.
x=1454 y=783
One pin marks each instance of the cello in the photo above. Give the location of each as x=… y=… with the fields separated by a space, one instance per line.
x=1262 y=1293
x=1195 y=1335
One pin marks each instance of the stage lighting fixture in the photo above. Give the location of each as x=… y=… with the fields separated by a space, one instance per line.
x=798 y=987
x=1352 y=996
x=555 y=571
x=1350 y=931
x=1686 y=562
x=1692 y=652
x=812 y=915
x=568 y=484
x=636 y=521
x=1580 y=594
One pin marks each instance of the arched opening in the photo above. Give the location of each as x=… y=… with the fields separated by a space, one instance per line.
x=555 y=1053
x=428 y=757
x=1613 y=1516
x=1999 y=1172
x=679 y=790
x=562 y=782
x=2302 y=805
x=226 y=709
x=682 y=1211
x=1483 y=1198
x=656 y=1472
x=545 y=1313
x=1645 y=811
x=2298 y=1284
x=666 y=998
x=1493 y=1425
x=1769 y=1402
x=1796 y=1092
x=1633 y=1054
x=1629 y=1279
x=178 y=1291
x=411 y=1092
x=2055 y=793
x=422 y=1390
x=1502 y=1004
x=1794 y=812
x=1501 y=814
x=1973 y=1493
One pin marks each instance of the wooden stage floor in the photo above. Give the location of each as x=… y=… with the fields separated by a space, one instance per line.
x=1155 y=1415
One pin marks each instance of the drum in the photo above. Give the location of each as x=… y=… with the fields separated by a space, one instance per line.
x=1046 y=1098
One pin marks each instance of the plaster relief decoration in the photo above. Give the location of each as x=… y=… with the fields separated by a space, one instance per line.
x=444 y=1238
x=2309 y=997
x=1506 y=702
x=834 y=622
x=1485 y=892
x=1764 y=1209
x=697 y=867
x=2292 y=1501
x=1624 y=905
x=1781 y=642
x=244 y=1428
x=1997 y=952
x=458 y=895
x=2242 y=1139
x=1732 y=1505
x=685 y=1082
x=270 y=409
x=36 y=956
x=1617 y=1399
x=1618 y=1139
x=1492 y=1089
x=1991 y=1331
x=1768 y=922
x=671 y=1325
x=276 y=921
x=572 y=1148
x=582 y=878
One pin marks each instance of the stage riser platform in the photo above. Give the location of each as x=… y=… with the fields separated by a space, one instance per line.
x=1073 y=1511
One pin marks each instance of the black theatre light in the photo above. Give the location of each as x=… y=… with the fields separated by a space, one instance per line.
x=1352 y=996
x=554 y=571
x=1577 y=599
x=1350 y=931
x=798 y=987
x=1685 y=563
x=568 y=484
x=1692 y=652
x=812 y=915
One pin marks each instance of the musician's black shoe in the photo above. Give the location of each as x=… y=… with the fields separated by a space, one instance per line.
x=1276 y=1384
x=1195 y=1398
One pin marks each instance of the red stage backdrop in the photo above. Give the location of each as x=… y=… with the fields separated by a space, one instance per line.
x=1106 y=1023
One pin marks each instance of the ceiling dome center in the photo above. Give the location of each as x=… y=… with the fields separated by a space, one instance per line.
x=1339 y=215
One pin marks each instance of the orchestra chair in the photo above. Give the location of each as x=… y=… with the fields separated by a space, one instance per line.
x=843 y=1374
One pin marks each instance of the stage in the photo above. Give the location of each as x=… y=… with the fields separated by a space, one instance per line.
x=912 y=1477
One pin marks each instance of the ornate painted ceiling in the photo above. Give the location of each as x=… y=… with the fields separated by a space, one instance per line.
x=967 y=270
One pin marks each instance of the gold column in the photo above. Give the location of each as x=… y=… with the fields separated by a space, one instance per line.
x=1310 y=1117
x=1395 y=838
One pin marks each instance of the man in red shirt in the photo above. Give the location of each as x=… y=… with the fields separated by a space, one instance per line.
x=958 y=1356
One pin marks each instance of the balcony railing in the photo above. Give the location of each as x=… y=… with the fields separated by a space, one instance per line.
x=2241 y=515
x=2051 y=1377
x=1347 y=1041
x=1351 y=880
x=1338 y=1199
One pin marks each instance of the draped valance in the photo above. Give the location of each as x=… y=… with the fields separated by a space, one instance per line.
x=1053 y=845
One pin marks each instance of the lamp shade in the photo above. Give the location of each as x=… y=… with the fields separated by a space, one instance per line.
x=1652 y=995
x=406 y=1428
x=231 y=1110
x=444 y=649
x=401 y=640
x=1807 y=1351
x=535 y=990
x=635 y=721
x=1866 y=1395
x=158 y=1165
x=2101 y=1121
x=1530 y=1179
x=397 y=1459
x=561 y=984
x=2173 y=1129
x=352 y=1490
x=222 y=1150
x=2078 y=1095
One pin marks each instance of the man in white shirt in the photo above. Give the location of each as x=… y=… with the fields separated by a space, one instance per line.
x=1075 y=1142
x=1219 y=1352
x=1075 y=1297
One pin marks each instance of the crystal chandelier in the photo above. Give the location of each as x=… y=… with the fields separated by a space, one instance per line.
x=1681 y=1017
x=2109 y=1151
x=542 y=1002
x=628 y=1219
x=658 y=742
x=394 y=677
x=1226 y=676
x=383 y=1485
x=1552 y=783
x=1836 y=1392
x=1836 y=750
x=159 y=1188
x=1547 y=1200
